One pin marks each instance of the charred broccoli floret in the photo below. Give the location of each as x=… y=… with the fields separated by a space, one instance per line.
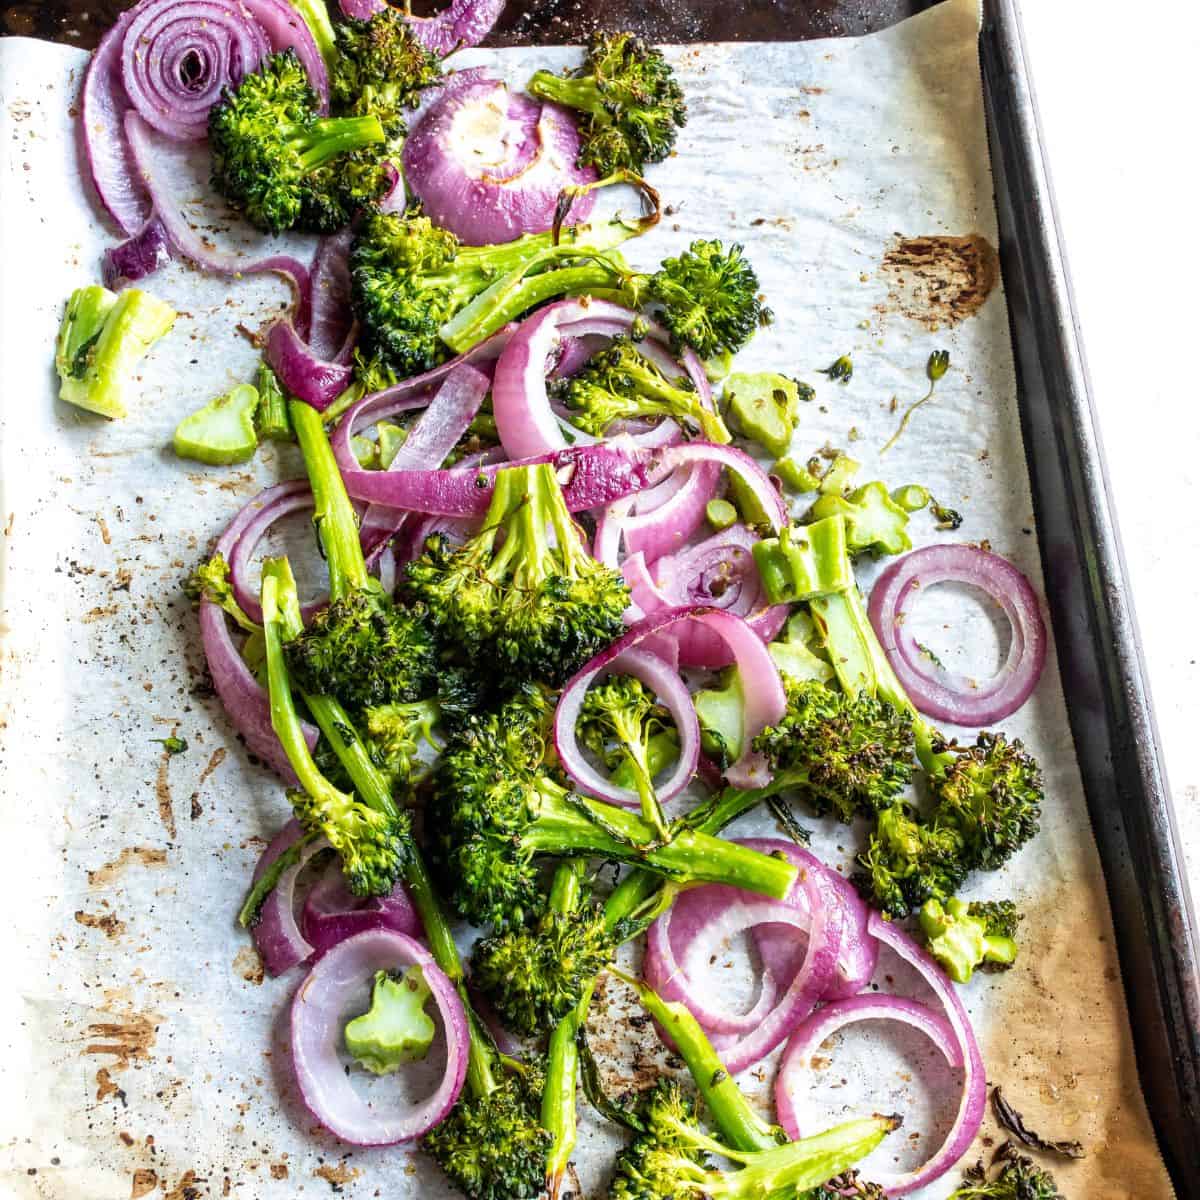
x=269 y=147
x=964 y=936
x=847 y=756
x=495 y=808
x=363 y=649
x=534 y=974
x=621 y=383
x=210 y=581
x=1020 y=1178
x=372 y=837
x=631 y=103
x=523 y=594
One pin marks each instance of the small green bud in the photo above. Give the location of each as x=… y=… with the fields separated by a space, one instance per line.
x=172 y=745
x=841 y=370
x=938 y=365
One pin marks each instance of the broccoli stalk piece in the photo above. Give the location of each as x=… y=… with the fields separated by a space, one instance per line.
x=372 y=837
x=396 y=1029
x=222 y=432
x=805 y=561
x=619 y=717
x=632 y=105
x=765 y=408
x=494 y=809
x=534 y=974
x=533 y=604
x=269 y=145
x=668 y=1161
x=964 y=936
x=620 y=383
x=362 y=649
x=272 y=418
x=875 y=523
x=100 y=341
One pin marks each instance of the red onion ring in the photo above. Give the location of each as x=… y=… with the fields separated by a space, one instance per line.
x=318 y=1015
x=177 y=56
x=461 y=24
x=332 y=913
x=935 y=691
x=276 y=934
x=491 y=192
x=301 y=371
x=670 y=690
x=188 y=242
x=243 y=698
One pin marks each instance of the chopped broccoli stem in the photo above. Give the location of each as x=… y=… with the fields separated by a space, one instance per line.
x=912 y=497
x=796 y=476
x=222 y=432
x=875 y=523
x=720 y=514
x=764 y=408
x=100 y=341
x=272 y=418
x=316 y=17
x=805 y=561
x=396 y=1029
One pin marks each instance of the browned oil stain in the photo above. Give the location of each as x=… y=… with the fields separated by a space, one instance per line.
x=279 y=1171
x=217 y=758
x=940 y=280
x=146 y=856
x=128 y=1040
x=144 y=1182
x=248 y=964
x=105 y=536
x=105 y=1087
x=186 y=1188
x=99 y=613
x=337 y=1176
x=162 y=790
x=108 y=923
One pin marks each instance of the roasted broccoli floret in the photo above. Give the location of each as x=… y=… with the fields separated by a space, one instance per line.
x=848 y=756
x=380 y=69
x=620 y=383
x=618 y=721
x=669 y=1161
x=631 y=103
x=396 y=1029
x=1020 y=1178
x=363 y=649
x=100 y=341
x=523 y=595
x=964 y=936
x=372 y=837
x=269 y=147
x=210 y=581
x=495 y=808
x=534 y=974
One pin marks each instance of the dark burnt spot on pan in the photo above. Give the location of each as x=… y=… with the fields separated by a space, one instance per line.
x=939 y=280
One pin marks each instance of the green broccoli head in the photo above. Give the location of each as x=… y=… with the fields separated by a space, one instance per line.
x=661 y=1162
x=964 y=936
x=846 y=755
x=493 y=1146
x=908 y=862
x=365 y=651
x=394 y=736
x=534 y=975
x=381 y=70
x=709 y=298
x=620 y=383
x=631 y=103
x=992 y=792
x=1020 y=1178
x=267 y=141
x=210 y=581
x=534 y=604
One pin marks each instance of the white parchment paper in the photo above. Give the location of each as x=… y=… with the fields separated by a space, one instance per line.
x=141 y=1051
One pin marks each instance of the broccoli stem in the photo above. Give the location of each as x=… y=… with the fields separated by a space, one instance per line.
x=739 y=1124
x=330 y=136
x=272 y=417
x=270 y=878
x=333 y=515
x=558 y=1097
x=316 y=16
x=577 y=92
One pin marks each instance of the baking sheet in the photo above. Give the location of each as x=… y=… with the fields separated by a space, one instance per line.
x=143 y=1050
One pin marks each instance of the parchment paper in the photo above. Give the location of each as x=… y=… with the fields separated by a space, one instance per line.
x=142 y=1051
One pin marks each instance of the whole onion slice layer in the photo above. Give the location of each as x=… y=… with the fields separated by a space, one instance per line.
x=489 y=164
x=669 y=689
x=461 y=24
x=319 y=1012
x=935 y=691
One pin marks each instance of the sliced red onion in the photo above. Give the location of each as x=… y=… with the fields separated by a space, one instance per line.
x=190 y=243
x=177 y=56
x=461 y=24
x=332 y=913
x=102 y=108
x=669 y=689
x=332 y=332
x=137 y=257
x=276 y=934
x=244 y=699
x=319 y=1012
x=288 y=498
x=939 y=693
x=361 y=10
x=433 y=435
x=300 y=371
x=489 y=164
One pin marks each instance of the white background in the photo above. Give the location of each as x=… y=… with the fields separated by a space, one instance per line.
x=1117 y=102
